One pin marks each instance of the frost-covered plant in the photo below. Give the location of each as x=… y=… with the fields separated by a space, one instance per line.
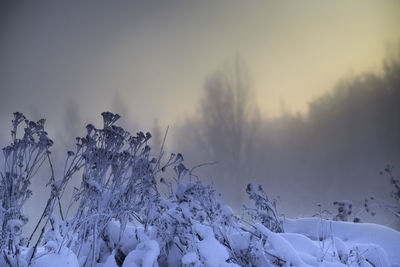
x=194 y=217
x=52 y=239
x=22 y=159
x=344 y=209
x=118 y=184
x=189 y=202
x=264 y=211
x=371 y=204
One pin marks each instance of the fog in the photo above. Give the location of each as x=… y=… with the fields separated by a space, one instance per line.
x=300 y=97
x=333 y=152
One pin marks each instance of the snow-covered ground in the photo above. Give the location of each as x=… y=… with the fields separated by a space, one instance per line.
x=304 y=242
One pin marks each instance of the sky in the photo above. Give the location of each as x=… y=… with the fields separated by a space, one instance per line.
x=150 y=58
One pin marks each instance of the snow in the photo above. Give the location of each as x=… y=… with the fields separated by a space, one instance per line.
x=377 y=243
x=301 y=244
x=240 y=240
x=213 y=252
x=281 y=246
x=190 y=258
x=145 y=255
x=66 y=258
x=304 y=242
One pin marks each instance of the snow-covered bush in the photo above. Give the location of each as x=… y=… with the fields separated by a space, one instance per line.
x=118 y=183
x=22 y=159
x=189 y=203
x=264 y=211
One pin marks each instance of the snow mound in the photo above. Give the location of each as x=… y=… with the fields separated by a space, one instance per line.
x=376 y=245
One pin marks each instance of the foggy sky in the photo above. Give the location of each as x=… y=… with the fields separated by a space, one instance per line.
x=155 y=55
x=69 y=61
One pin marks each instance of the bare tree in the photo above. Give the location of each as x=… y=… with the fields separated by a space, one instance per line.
x=226 y=113
x=223 y=129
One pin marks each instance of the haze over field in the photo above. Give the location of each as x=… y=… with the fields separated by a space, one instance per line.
x=318 y=115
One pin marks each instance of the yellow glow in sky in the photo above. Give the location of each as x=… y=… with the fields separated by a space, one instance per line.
x=157 y=55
